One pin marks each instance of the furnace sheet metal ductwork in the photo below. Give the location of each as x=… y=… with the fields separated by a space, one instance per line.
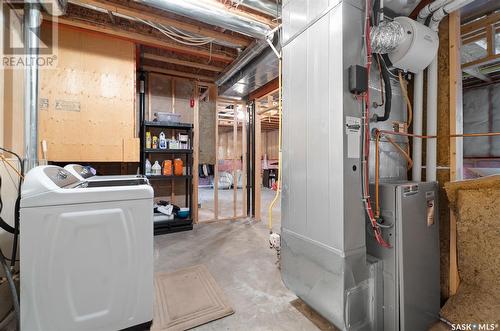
x=323 y=252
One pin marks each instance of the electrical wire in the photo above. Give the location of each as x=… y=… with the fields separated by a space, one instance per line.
x=366 y=136
x=402 y=83
x=178 y=36
x=17 y=206
x=379 y=133
x=12 y=287
x=381 y=79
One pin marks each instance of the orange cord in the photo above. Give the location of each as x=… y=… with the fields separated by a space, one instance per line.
x=379 y=133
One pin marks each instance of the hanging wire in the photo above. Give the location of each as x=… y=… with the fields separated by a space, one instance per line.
x=179 y=36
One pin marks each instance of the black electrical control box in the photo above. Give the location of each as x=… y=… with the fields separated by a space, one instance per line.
x=358 y=79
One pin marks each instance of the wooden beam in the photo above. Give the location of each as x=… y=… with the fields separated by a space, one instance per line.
x=158 y=18
x=171 y=60
x=481 y=23
x=141 y=38
x=264 y=90
x=178 y=73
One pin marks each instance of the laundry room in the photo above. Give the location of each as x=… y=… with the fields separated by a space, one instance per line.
x=249 y=165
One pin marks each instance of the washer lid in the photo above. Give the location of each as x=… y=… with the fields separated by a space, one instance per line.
x=52 y=186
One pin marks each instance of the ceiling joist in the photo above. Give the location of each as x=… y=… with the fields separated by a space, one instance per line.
x=171 y=60
x=156 y=18
x=142 y=39
x=179 y=74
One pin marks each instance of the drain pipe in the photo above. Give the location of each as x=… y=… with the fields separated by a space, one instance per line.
x=432 y=79
x=32 y=17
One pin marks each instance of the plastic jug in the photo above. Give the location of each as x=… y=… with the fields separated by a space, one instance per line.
x=148 y=168
x=167 y=168
x=162 y=141
x=178 y=165
x=156 y=169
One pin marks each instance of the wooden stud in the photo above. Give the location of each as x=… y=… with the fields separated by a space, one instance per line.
x=244 y=160
x=142 y=38
x=196 y=151
x=235 y=155
x=216 y=165
x=191 y=64
x=161 y=19
x=481 y=23
x=456 y=125
x=178 y=73
x=258 y=164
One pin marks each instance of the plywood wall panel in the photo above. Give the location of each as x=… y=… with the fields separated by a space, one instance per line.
x=91 y=105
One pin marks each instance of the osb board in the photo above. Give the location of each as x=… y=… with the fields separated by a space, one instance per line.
x=207 y=115
x=91 y=108
x=131 y=148
x=475 y=203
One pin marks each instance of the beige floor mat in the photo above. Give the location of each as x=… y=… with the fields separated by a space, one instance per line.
x=187 y=298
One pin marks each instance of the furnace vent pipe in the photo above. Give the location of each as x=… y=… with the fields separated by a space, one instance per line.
x=213 y=13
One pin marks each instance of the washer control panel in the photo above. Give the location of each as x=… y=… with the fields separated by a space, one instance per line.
x=61 y=177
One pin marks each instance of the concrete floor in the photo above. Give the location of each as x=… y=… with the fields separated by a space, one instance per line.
x=238 y=256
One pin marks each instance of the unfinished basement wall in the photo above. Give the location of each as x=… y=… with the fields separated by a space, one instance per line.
x=87 y=103
x=481 y=114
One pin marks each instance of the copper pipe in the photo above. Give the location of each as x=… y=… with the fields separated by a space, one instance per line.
x=379 y=133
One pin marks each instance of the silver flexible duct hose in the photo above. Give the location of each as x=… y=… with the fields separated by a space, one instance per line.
x=386 y=37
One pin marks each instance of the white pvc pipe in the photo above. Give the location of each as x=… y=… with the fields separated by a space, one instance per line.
x=429 y=9
x=431 y=151
x=418 y=100
x=432 y=78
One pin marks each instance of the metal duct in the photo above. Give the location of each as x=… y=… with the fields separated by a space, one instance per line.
x=32 y=17
x=261 y=70
x=248 y=55
x=212 y=13
x=268 y=7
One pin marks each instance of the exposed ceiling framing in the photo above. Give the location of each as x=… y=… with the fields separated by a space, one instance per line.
x=480 y=50
x=161 y=53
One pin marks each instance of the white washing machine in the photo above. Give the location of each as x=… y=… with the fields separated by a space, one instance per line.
x=86 y=253
x=83 y=173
